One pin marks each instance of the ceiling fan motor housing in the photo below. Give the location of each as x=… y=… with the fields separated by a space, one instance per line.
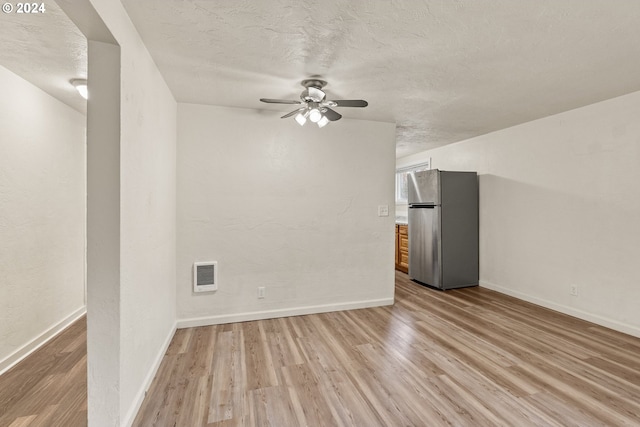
x=313 y=91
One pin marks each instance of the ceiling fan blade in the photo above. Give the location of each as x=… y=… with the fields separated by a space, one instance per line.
x=279 y=101
x=331 y=115
x=293 y=112
x=350 y=102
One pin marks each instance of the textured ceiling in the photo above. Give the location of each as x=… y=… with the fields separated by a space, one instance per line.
x=443 y=70
x=45 y=49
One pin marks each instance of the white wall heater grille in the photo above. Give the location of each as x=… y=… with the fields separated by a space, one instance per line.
x=205 y=276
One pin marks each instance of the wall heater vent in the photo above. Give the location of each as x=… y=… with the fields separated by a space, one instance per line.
x=205 y=276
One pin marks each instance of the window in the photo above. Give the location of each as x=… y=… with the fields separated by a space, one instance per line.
x=402 y=186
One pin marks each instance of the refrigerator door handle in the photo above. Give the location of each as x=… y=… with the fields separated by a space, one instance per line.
x=422 y=206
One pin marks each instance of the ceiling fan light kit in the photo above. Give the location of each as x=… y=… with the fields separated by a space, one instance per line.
x=315 y=115
x=314 y=106
x=323 y=122
x=301 y=118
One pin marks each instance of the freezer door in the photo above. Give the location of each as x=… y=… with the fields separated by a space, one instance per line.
x=425 y=252
x=424 y=187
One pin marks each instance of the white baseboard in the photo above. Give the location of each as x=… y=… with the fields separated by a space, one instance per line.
x=133 y=410
x=285 y=312
x=580 y=314
x=24 y=351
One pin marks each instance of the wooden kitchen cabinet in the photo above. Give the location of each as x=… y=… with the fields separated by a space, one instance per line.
x=402 y=247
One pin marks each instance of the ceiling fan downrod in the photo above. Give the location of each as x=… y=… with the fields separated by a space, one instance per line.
x=316 y=83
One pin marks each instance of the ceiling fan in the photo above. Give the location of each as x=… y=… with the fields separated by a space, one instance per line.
x=314 y=106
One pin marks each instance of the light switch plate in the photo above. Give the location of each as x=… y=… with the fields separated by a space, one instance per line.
x=383 y=210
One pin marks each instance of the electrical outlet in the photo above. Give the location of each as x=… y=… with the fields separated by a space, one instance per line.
x=574 y=290
x=383 y=210
x=261 y=291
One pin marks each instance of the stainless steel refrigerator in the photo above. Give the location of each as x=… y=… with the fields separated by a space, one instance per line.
x=443 y=228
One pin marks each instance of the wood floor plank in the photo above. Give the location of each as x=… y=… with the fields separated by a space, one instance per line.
x=273 y=407
x=563 y=413
x=379 y=398
x=303 y=386
x=406 y=383
x=23 y=421
x=196 y=402
x=228 y=380
x=348 y=406
x=260 y=369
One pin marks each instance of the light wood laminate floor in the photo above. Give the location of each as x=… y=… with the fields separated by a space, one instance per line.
x=469 y=357
x=49 y=387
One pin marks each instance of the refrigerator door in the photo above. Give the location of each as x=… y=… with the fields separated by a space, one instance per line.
x=424 y=187
x=425 y=250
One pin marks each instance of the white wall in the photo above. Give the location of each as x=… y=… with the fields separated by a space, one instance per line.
x=142 y=298
x=103 y=234
x=42 y=190
x=148 y=227
x=290 y=208
x=560 y=205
